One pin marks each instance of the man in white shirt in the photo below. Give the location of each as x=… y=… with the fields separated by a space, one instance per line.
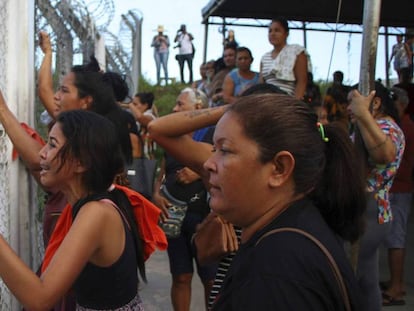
x=186 y=51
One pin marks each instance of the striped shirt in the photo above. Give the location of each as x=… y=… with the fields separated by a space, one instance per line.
x=222 y=269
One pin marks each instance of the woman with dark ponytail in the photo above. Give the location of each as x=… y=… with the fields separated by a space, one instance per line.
x=273 y=167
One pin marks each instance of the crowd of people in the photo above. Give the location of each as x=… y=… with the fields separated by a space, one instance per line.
x=97 y=231
x=309 y=185
x=374 y=127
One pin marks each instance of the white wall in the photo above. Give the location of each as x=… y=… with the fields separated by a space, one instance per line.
x=17 y=83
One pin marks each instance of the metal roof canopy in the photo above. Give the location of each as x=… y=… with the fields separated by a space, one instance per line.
x=394 y=13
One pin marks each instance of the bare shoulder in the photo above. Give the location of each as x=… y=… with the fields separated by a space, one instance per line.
x=97 y=212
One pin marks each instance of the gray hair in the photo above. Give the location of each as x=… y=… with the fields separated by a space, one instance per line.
x=400 y=95
x=196 y=96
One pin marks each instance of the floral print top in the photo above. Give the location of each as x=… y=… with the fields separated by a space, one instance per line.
x=381 y=176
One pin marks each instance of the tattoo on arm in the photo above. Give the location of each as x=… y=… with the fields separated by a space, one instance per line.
x=203 y=112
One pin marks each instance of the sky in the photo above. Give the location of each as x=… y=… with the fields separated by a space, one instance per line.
x=172 y=13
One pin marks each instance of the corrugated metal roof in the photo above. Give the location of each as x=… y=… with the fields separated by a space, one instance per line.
x=394 y=13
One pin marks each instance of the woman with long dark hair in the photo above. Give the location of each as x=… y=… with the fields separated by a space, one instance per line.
x=101 y=252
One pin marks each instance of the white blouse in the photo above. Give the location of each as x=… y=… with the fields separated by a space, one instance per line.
x=279 y=70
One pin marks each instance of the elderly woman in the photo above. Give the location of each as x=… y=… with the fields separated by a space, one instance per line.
x=262 y=176
x=102 y=249
x=286 y=66
x=176 y=182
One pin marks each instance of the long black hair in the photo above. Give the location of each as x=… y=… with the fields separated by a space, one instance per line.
x=90 y=81
x=103 y=159
x=146 y=98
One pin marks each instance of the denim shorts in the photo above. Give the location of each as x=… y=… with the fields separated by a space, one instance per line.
x=182 y=254
x=400 y=205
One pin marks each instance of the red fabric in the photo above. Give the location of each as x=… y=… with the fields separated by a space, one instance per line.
x=146 y=215
x=62 y=227
x=33 y=134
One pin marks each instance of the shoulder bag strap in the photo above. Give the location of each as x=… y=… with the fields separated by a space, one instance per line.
x=332 y=263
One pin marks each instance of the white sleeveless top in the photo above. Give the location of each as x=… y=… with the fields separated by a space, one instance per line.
x=279 y=70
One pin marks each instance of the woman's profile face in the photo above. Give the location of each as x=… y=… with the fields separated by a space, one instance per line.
x=67 y=96
x=139 y=104
x=184 y=103
x=52 y=174
x=239 y=181
x=277 y=34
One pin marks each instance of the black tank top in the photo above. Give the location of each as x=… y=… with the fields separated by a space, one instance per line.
x=108 y=287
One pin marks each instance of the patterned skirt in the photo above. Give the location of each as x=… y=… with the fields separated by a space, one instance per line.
x=134 y=305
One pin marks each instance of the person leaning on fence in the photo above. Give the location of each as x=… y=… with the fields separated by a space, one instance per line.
x=102 y=249
x=185 y=52
x=79 y=89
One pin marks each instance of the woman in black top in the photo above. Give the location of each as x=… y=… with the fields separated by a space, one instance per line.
x=273 y=166
x=100 y=254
